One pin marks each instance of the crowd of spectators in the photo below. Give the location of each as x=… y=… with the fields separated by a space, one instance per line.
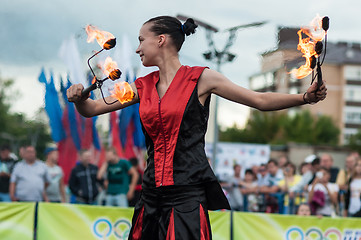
x=315 y=187
x=31 y=179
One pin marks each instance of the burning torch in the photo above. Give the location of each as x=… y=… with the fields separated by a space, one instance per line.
x=312 y=48
x=107 y=41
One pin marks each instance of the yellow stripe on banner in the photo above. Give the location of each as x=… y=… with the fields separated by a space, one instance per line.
x=17 y=221
x=220 y=224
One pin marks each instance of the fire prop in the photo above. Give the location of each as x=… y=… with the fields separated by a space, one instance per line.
x=312 y=47
x=107 y=41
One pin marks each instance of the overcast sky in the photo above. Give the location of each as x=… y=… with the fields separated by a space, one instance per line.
x=32 y=31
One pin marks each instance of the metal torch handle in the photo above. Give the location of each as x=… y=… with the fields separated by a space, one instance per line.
x=87 y=90
x=319 y=75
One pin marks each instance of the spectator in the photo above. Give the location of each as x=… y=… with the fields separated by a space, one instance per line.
x=344 y=176
x=255 y=168
x=232 y=186
x=7 y=164
x=315 y=167
x=353 y=194
x=283 y=160
x=117 y=185
x=56 y=189
x=262 y=175
x=323 y=194
x=29 y=178
x=272 y=200
x=249 y=188
x=273 y=177
x=290 y=180
x=307 y=173
x=303 y=210
x=138 y=187
x=83 y=179
x=326 y=161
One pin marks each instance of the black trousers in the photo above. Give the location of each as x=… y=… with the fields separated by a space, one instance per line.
x=173 y=213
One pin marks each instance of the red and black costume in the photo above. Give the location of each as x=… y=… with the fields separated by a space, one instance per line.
x=178 y=184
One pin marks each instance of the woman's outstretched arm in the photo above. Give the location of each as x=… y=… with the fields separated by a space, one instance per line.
x=89 y=108
x=214 y=82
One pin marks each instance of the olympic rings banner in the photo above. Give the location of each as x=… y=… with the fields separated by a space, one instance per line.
x=74 y=221
x=288 y=227
x=17 y=221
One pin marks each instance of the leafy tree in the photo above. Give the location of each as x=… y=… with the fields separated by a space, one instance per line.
x=355 y=142
x=15 y=129
x=280 y=128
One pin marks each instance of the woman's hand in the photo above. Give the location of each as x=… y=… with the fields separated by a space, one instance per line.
x=315 y=94
x=74 y=93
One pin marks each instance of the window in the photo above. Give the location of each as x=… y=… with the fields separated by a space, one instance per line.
x=353 y=72
x=352 y=115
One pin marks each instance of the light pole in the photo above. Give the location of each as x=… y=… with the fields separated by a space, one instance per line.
x=219 y=57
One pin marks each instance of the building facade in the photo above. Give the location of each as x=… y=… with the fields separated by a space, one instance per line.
x=341 y=70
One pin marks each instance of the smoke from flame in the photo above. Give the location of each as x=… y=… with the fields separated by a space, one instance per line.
x=307 y=44
x=123 y=92
x=95 y=33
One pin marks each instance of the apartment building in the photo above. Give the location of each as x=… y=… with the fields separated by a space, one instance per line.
x=341 y=70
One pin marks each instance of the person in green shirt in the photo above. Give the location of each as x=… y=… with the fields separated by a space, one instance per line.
x=117 y=183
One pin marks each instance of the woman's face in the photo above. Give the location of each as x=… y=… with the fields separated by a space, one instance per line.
x=304 y=210
x=148 y=45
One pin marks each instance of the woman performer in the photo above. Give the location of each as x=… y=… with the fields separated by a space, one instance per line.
x=179 y=186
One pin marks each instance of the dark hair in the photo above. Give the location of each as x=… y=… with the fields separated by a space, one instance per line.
x=273 y=161
x=289 y=164
x=5 y=147
x=236 y=165
x=173 y=27
x=316 y=161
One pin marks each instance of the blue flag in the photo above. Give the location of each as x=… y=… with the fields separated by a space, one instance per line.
x=52 y=108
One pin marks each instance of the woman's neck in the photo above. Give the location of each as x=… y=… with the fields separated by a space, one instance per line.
x=168 y=69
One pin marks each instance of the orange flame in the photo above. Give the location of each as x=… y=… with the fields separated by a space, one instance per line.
x=95 y=33
x=123 y=92
x=306 y=45
x=109 y=66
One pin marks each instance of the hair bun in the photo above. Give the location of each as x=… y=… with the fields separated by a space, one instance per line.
x=189 y=27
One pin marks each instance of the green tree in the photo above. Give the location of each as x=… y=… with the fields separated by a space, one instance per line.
x=354 y=142
x=280 y=128
x=15 y=129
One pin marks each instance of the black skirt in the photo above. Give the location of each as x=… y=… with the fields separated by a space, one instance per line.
x=172 y=212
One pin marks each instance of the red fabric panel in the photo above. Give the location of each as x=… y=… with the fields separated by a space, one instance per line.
x=204 y=224
x=137 y=230
x=162 y=117
x=87 y=136
x=115 y=134
x=129 y=145
x=68 y=154
x=171 y=232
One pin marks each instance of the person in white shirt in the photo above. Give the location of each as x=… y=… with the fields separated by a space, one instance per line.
x=322 y=195
x=353 y=194
x=56 y=189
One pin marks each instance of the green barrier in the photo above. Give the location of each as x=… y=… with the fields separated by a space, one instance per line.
x=73 y=221
x=220 y=224
x=288 y=227
x=17 y=221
